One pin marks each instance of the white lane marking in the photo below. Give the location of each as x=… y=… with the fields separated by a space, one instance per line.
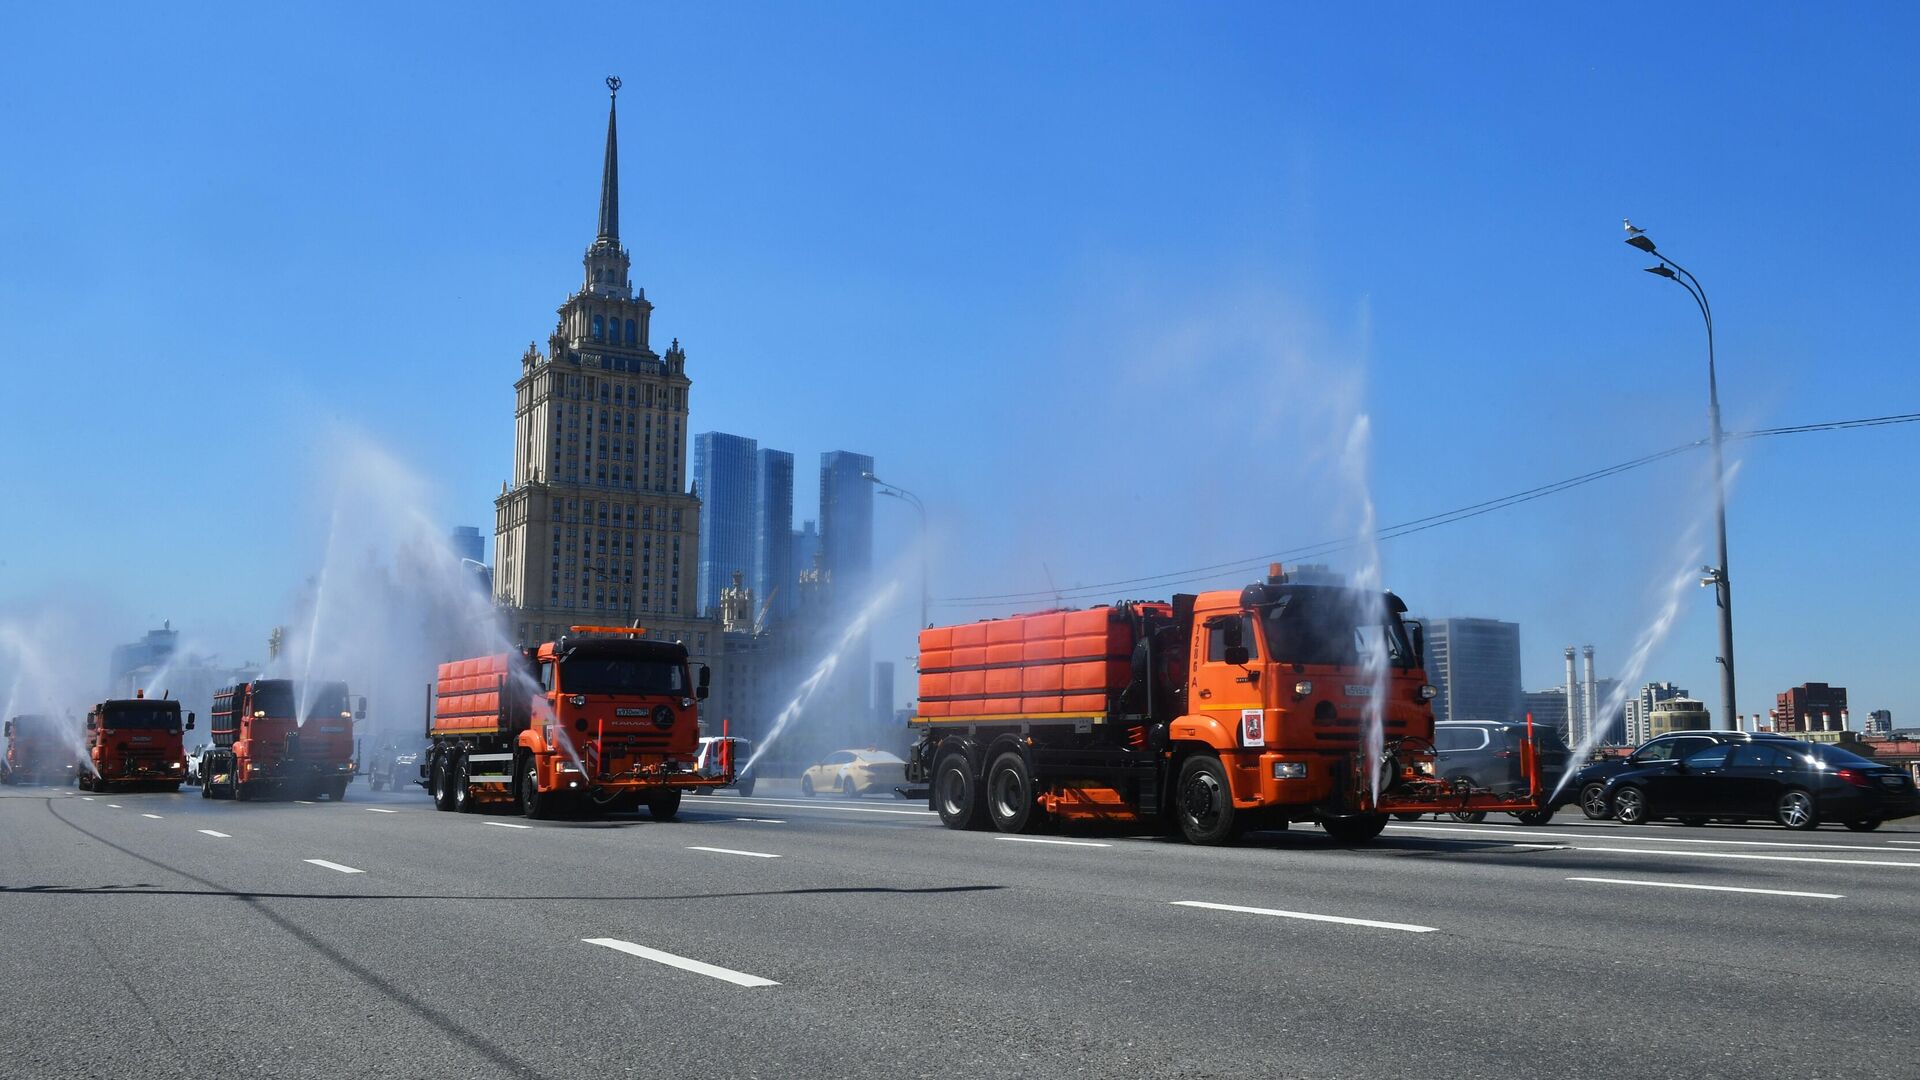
x=116 y=806
x=838 y=806
x=335 y=866
x=712 y=971
x=1903 y=841
x=221 y=835
x=1708 y=888
x=509 y=824
x=1044 y=840
x=89 y=798
x=1745 y=855
x=1638 y=837
x=306 y=802
x=732 y=851
x=155 y=817
x=1408 y=927
x=762 y=820
x=377 y=810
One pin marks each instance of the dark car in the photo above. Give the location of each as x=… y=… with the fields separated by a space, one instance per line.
x=1487 y=754
x=1589 y=783
x=1795 y=783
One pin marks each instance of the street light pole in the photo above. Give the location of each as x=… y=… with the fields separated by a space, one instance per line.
x=1715 y=575
x=912 y=500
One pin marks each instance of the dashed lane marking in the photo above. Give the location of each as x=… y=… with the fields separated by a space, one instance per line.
x=509 y=825
x=698 y=967
x=1708 y=888
x=155 y=817
x=306 y=802
x=116 y=806
x=1410 y=928
x=763 y=820
x=377 y=810
x=1045 y=840
x=221 y=835
x=733 y=851
x=335 y=866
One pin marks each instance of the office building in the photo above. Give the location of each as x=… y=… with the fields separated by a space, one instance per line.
x=1678 y=714
x=1548 y=708
x=1475 y=666
x=726 y=477
x=776 y=579
x=1879 y=722
x=846 y=523
x=1640 y=708
x=1810 y=707
x=468 y=544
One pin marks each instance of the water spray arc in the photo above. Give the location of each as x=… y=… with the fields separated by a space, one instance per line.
x=810 y=686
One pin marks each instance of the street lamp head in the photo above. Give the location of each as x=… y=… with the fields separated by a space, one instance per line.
x=1663 y=270
x=1641 y=241
x=869 y=476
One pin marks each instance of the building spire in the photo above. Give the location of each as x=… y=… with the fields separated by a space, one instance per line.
x=610 y=175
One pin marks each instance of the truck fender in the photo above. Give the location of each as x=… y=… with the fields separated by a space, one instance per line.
x=963 y=745
x=1204 y=729
x=530 y=740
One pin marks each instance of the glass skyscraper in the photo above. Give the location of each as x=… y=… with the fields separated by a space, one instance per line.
x=1475 y=665
x=725 y=469
x=846 y=522
x=775 y=578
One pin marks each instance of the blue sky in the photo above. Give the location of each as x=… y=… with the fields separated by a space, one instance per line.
x=1108 y=285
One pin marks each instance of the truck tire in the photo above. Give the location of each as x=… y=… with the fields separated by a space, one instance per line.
x=956 y=795
x=206 y=790
x=663 y=805
x=339 y=792
x=745 y=786
x=1203 y=803
x=461 y=794
x=1534 y=817
x=441 y=782
x=1010 y=795
x=1357 y=829
x=373 y=781
x=533 y=804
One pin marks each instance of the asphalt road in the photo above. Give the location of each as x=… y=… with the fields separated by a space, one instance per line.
x=165 y=935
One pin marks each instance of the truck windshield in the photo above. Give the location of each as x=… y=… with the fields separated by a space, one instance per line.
x=283 y=698
x=141 y=718
x=1339 y=627
x=604 y=675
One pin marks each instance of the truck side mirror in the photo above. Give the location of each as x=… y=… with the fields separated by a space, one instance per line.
x=1236 y=655
x=189 y=721
x=6 y=730
x=91 y=723
x=704 y=687
x=1417 y=635
x=360 y=707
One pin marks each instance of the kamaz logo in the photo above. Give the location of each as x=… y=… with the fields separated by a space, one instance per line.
x=629 y=712
x=1358 y=691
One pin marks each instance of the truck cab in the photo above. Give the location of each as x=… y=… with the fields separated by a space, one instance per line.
x=135 y=743
x=281 y=736
x=35 y=753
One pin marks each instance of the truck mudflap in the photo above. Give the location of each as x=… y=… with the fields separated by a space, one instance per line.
x=1408 y=783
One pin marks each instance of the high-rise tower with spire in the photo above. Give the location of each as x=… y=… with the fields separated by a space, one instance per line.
x=597 y=525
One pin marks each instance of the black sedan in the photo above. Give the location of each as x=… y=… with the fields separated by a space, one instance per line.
x=1794 y=783
x=1589 y=783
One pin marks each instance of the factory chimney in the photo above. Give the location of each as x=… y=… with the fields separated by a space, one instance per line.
x=1576 y=731
x=1589 y=706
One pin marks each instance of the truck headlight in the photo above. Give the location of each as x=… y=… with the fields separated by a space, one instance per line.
x=1424 y=768
x=1303 y=688
x=1428 y=692
x=1289 y=770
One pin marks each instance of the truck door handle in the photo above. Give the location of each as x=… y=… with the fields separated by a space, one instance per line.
x=1206 y=693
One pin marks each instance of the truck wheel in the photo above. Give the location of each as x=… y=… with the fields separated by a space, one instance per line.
x=442 y=782
x=339 y=792
x=462 y=794
x=663 y=805
x=956 y=795
x=745 y=786
x=206 y=791
x=1203 y=803
x=533 y=804
x=1357 y=829
x=1010 y=799
x=1534 y=817
x=373 y=782
x=1468 y=817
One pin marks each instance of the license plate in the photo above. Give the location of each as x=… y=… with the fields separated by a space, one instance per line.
x=1354 y=690
x=1893 y=781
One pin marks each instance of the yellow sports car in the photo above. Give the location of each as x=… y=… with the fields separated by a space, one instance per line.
x=854 y=773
